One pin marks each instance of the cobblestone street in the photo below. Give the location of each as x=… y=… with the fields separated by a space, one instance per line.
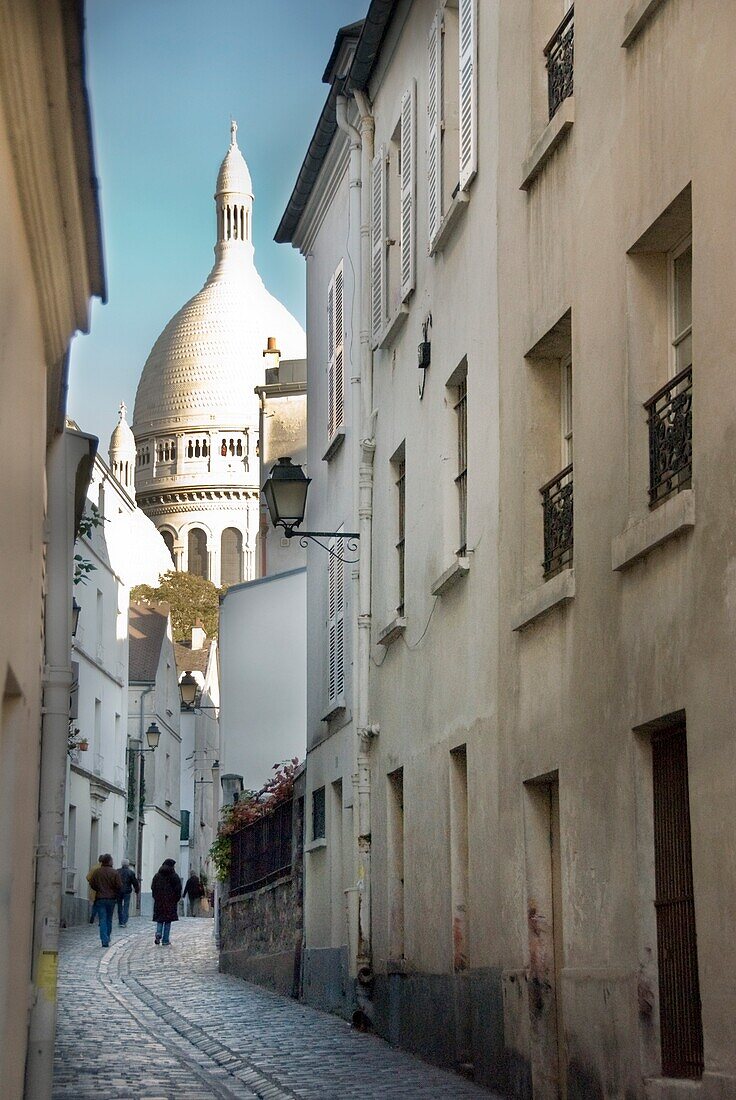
x=139 y=1022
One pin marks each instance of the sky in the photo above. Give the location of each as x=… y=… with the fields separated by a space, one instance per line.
x=165 y=77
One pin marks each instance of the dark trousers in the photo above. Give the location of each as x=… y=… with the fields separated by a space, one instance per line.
x=105 y=910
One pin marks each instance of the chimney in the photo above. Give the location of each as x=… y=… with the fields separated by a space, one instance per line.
x=198 y=635
x=272 y=355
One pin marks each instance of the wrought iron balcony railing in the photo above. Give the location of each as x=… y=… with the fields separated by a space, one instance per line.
x=558 y=522
x=670 y=421
x=559 y=54
x=262 y=851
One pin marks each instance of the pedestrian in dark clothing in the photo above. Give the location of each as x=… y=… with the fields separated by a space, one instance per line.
x=130 y=883
x=166 y=890
x=194 y=890
x=105 y=881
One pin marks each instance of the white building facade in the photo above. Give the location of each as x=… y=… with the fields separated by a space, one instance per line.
x=196 y=413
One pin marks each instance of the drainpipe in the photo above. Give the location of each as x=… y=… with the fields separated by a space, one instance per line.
x=361 y=156
x=69 y=466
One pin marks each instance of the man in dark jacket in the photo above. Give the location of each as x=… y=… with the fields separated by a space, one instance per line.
x=194 y=890
x=105 y=881
x=166 y=890
x=130 y=883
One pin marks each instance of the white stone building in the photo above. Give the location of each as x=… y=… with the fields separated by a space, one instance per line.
x=196 y=414
x=124 y=550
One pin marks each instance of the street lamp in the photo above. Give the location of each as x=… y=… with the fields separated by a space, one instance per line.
x=232 y=786
x=75 y=615
x=190 y=691
x=135 y=748
x=285 y=492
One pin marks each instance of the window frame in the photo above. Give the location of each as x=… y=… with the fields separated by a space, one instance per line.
x=675 y=338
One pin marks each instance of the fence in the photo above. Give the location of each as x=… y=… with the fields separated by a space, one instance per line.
x=262 y=851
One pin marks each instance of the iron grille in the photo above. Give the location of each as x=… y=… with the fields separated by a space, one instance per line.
x=400 y=545
x=261 y=851
x=670 y=421
x=559 y=54
x=681 y=1027
x=558 y=522
x=461 y=408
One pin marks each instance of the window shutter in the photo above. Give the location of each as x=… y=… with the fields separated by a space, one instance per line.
x=336 y=627
x=434 y=123
x=467 y=97
x=339 y=358
x=378 y=243
x=331 y=359
x=408 y=188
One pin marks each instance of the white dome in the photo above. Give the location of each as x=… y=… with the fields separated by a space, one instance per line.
x=122 y=440
x=234 y=175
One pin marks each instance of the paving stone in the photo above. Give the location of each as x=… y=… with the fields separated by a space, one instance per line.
x=139 y=1023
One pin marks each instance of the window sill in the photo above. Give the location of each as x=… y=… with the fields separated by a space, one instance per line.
x=447 y=580
x=316 y=845
x=457 y=207
x=636 y=18
x=393 y=327
x=392 y=631
x=336 y=442
x=335 y=711
x=553 y=593
x=674 y=517
x=554 y=133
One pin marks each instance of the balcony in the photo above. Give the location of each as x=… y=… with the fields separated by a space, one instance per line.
x=669 y=416
x=558 y=522
x=262 y=851
x=559 y=54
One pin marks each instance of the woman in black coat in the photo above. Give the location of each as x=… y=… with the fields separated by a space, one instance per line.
x=166 y=890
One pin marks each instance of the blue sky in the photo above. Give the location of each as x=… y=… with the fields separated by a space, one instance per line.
x=165 y=76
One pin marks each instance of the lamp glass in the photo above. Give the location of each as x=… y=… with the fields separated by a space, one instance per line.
x=285 y=491
x=153 y=736
x=75 y=615
x=232 y=786
x=188 y=687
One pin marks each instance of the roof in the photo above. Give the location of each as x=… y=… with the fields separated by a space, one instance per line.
x=372 y=33
x=352 y=30
x=147 y=623
x=192 y=660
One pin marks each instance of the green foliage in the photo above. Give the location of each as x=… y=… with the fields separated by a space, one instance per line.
x=250 y=806
x=89 y=521
x=189 y=597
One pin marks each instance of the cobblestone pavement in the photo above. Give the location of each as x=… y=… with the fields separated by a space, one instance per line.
x=139 y=1022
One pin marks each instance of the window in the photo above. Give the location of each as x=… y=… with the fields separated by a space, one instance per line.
x=393 y=204
x=336 y=629
x=461 y=411
x=459 y=866
x=335 y=354
x=451 y=108
x=197 y=562
x=169 y=540
x=681 y=304
x=231 y=556
x=559 y=53
x=400 y=470
x=395 y=842
x=318 y=814
x=566 y=409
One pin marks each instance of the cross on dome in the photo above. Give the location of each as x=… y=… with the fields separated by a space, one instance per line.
x=233 y=132
x=122 y=410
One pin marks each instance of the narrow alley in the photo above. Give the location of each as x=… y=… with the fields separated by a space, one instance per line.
x=139 y=1022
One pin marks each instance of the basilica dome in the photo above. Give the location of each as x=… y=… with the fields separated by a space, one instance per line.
x=208 y=359
x=196 y=415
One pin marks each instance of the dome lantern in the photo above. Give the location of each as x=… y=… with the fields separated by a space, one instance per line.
x=122 y=452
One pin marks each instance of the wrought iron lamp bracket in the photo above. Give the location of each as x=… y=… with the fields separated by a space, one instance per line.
x=352 y=542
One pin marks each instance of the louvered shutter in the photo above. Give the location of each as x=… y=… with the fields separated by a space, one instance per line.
x=434 y=128
x=331 y=359
x=408 y=188
x=336 y=628
x=339 y=358
x=378 y=243
x=467 y=100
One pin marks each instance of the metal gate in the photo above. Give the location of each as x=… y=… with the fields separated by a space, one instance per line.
x=679 y=990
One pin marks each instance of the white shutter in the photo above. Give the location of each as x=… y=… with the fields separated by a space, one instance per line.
x=339 y=358
x=331 y=359
x=434 y=128
x=467 y=95
x=336 y=627
x=408 y=188
x=378 y=243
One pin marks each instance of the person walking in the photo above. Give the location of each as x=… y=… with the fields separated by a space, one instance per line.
x=166 y=890
x=130 y=883
x=105 y=881
x=194 y=891
x=90 y=893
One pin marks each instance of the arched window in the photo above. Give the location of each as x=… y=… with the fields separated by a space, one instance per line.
x=239 y=448
x=169 y=540
x=231 y=556
x=197 y=449
x=232 y=446
x=197 y=544
x=190 y=450
x=223 y=448
x=205 y=448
